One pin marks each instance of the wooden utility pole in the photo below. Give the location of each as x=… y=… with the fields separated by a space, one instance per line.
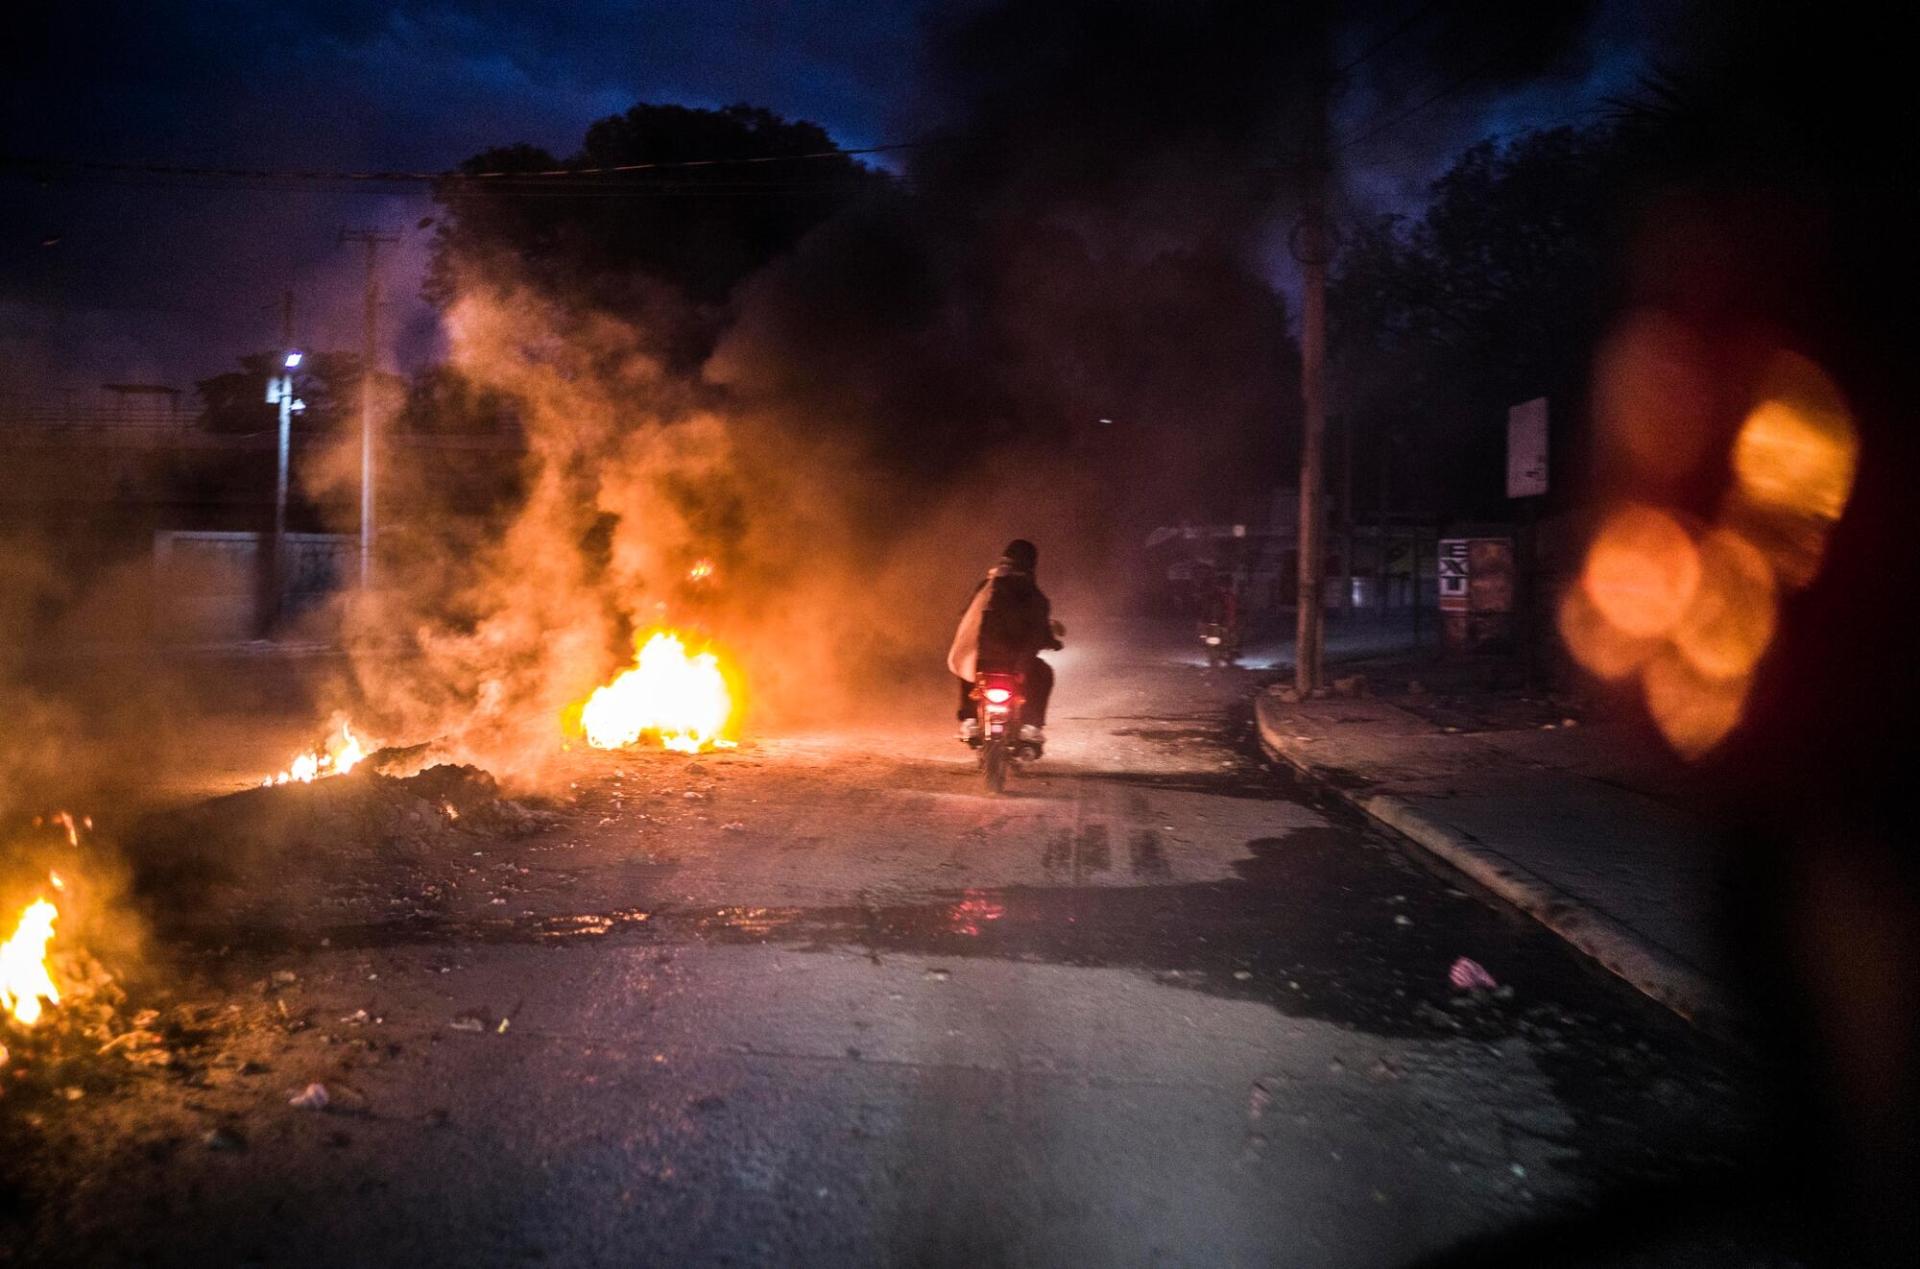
x=1310 y=249
x=373 y=239
x=277 y=549
x=1345 y=601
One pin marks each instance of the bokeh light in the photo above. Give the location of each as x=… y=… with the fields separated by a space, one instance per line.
x=1798 y=449
x=1727 y=627
x=1692 y=614
x=1596 y=643
x=1653 y=395
x=1642 y=571
x=1692 y=711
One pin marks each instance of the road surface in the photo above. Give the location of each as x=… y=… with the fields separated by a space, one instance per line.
x=822 y=1000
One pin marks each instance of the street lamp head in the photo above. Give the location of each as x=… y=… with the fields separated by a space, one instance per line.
x=293 y=360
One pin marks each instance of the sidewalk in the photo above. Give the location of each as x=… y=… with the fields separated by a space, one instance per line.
x=1580 y=826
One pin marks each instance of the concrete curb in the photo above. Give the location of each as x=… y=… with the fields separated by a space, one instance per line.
x=1651 y=970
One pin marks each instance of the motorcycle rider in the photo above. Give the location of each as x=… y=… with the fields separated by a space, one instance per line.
x=1221 y=605
x=1006 y=626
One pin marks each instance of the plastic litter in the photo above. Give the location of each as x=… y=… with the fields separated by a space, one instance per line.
x=1470 y=975
x=312 y=1097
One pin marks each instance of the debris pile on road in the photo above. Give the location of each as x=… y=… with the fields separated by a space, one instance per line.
x=91 y=1022
x=363 y=811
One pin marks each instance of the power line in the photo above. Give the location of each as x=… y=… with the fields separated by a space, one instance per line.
x=308 y=175
x=1465 y=81
x=549 y=189
x=1406 y=24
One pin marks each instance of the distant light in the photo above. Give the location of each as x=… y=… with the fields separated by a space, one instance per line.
x=1106 y=422
x=293 y=360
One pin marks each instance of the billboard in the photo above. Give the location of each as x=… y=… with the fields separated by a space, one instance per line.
x=1527 y=449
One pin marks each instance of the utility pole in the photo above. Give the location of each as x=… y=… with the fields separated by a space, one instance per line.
x=1345 y=603
x=373 y=239
x=1310 y=249
x=280 y=392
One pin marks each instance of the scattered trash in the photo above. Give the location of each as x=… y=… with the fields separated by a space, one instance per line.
x=1470 y=975
x=283 y=978
x=939 y=975
x=312 y=1097
x=468 y=1022
x=1569 y=722
x=1402 y=919
x=691 y=796
x=733 y=826
x=225 y=1139
x=1242 y=975
x=358 y=1018
x=73 y=1092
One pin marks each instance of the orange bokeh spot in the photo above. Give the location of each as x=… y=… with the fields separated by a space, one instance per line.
x=1727 y=627
x=1596 y=643
x=1693 y=712
x=1641 y=572
x=1798 y=449
x=1654 y=395
x=1796 y=460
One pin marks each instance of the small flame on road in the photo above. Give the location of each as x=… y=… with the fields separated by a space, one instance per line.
x=25 y=984
x=681 y=700
x=67 y=823
x=336 y=756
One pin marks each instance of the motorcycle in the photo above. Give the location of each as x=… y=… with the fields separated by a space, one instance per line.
x=1222 y=643
x=1001 y=698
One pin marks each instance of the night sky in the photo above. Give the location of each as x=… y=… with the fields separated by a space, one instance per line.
x=168 y=282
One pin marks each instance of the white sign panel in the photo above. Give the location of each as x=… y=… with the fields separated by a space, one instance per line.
x=1453 y=574
x=1527 y=449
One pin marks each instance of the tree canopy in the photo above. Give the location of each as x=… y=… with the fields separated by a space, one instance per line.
x=1493 y=296
x=328 y=383
x=589 y=238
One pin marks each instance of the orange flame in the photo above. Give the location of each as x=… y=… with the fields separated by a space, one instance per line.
x=25 y=983
x=682 y=701
x=336 y=756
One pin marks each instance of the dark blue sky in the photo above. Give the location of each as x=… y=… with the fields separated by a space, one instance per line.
x=166 y=284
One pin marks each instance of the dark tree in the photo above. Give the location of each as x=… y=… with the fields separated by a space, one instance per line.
x=1493 y=296
x=699 y=230
x=327 y=382
x=441 y=399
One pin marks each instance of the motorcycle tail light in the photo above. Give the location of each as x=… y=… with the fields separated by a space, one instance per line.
x=999 y=695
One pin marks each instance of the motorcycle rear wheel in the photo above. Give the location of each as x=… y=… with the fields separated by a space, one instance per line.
x=996 y=761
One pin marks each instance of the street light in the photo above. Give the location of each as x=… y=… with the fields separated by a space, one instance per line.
x=280 y=392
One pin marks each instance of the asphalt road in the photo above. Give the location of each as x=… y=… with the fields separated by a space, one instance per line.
x=822 y=1000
